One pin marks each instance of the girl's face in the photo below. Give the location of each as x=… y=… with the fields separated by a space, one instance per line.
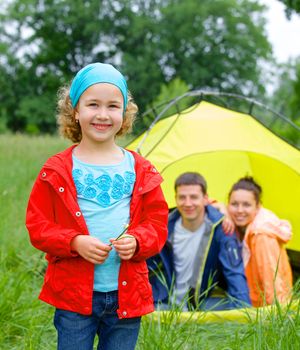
x=100 y=113
x=242 y=207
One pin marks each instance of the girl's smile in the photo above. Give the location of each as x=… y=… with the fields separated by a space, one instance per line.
x=101 y=126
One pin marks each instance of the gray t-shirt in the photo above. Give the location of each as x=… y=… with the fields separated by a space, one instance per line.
x=186 y=246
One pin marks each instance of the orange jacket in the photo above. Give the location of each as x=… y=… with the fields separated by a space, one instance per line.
x=267 y=266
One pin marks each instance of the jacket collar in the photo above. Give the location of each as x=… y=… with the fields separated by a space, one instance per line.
x=212 y=214
x=62 y=162
x=147 y=175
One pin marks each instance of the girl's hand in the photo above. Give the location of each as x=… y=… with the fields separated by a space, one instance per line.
x=90 y=248
x=228 y=225
x=125 y=247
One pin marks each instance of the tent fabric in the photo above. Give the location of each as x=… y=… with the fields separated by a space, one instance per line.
x=247 y=315
x=223 y=146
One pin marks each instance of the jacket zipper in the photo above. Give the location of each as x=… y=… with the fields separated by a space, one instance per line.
x=199 y=280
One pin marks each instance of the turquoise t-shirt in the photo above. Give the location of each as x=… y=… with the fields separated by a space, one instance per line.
x=104 y=194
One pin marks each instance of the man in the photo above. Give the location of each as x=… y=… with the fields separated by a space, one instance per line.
x=199 y=260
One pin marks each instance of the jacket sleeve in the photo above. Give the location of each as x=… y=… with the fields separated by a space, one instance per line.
x=267 y=255
x=231 y=261
x=151 y=231
x=45 y=234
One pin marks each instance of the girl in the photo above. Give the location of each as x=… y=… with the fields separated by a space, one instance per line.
x=266 y=262
x=81 y=204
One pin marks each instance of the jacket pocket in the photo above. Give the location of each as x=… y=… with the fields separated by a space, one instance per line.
x=233 y=253
x=142 y=280
x=57 y=275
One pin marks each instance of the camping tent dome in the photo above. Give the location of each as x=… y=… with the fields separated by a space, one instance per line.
x=224 y=145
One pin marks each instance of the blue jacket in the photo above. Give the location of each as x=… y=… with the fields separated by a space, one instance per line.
x=222 y=265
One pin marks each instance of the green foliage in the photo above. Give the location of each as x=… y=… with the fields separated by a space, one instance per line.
x=207 y=44
x=291 y=6
x=168 y=92
x=295 y=98
x=286 y=99
x=275 y=329
x=25 y=322
x=38 y=113
x=3 y=123
x=175 y=88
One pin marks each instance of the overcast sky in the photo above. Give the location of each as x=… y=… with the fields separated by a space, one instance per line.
x=283 y=33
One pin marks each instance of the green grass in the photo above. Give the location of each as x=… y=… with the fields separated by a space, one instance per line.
x=26 y=323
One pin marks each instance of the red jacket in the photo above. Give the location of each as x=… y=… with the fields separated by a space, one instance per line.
x=54 y=219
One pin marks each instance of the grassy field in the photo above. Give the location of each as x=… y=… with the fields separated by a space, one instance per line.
x=26 y=323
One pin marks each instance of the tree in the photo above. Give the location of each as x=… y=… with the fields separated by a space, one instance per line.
x=291 y=6
x=286 y=97
x=286 y=100
x=207 y=44
x=295 y=98
x=174 y=89
x=47 y=43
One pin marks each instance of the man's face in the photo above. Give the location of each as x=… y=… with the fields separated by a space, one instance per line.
x=191 y=202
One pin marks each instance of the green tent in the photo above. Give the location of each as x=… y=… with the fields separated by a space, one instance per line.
x=224 y=145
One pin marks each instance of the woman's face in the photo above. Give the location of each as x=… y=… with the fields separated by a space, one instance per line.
x=242 y=207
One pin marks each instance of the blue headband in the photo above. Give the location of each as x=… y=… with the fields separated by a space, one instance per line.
x=97 y=73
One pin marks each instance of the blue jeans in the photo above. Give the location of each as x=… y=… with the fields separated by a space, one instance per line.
x=77 y=332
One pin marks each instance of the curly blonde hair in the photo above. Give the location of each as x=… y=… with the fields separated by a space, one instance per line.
x=69 y=128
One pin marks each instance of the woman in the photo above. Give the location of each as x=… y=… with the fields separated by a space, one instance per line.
x=263 y=234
